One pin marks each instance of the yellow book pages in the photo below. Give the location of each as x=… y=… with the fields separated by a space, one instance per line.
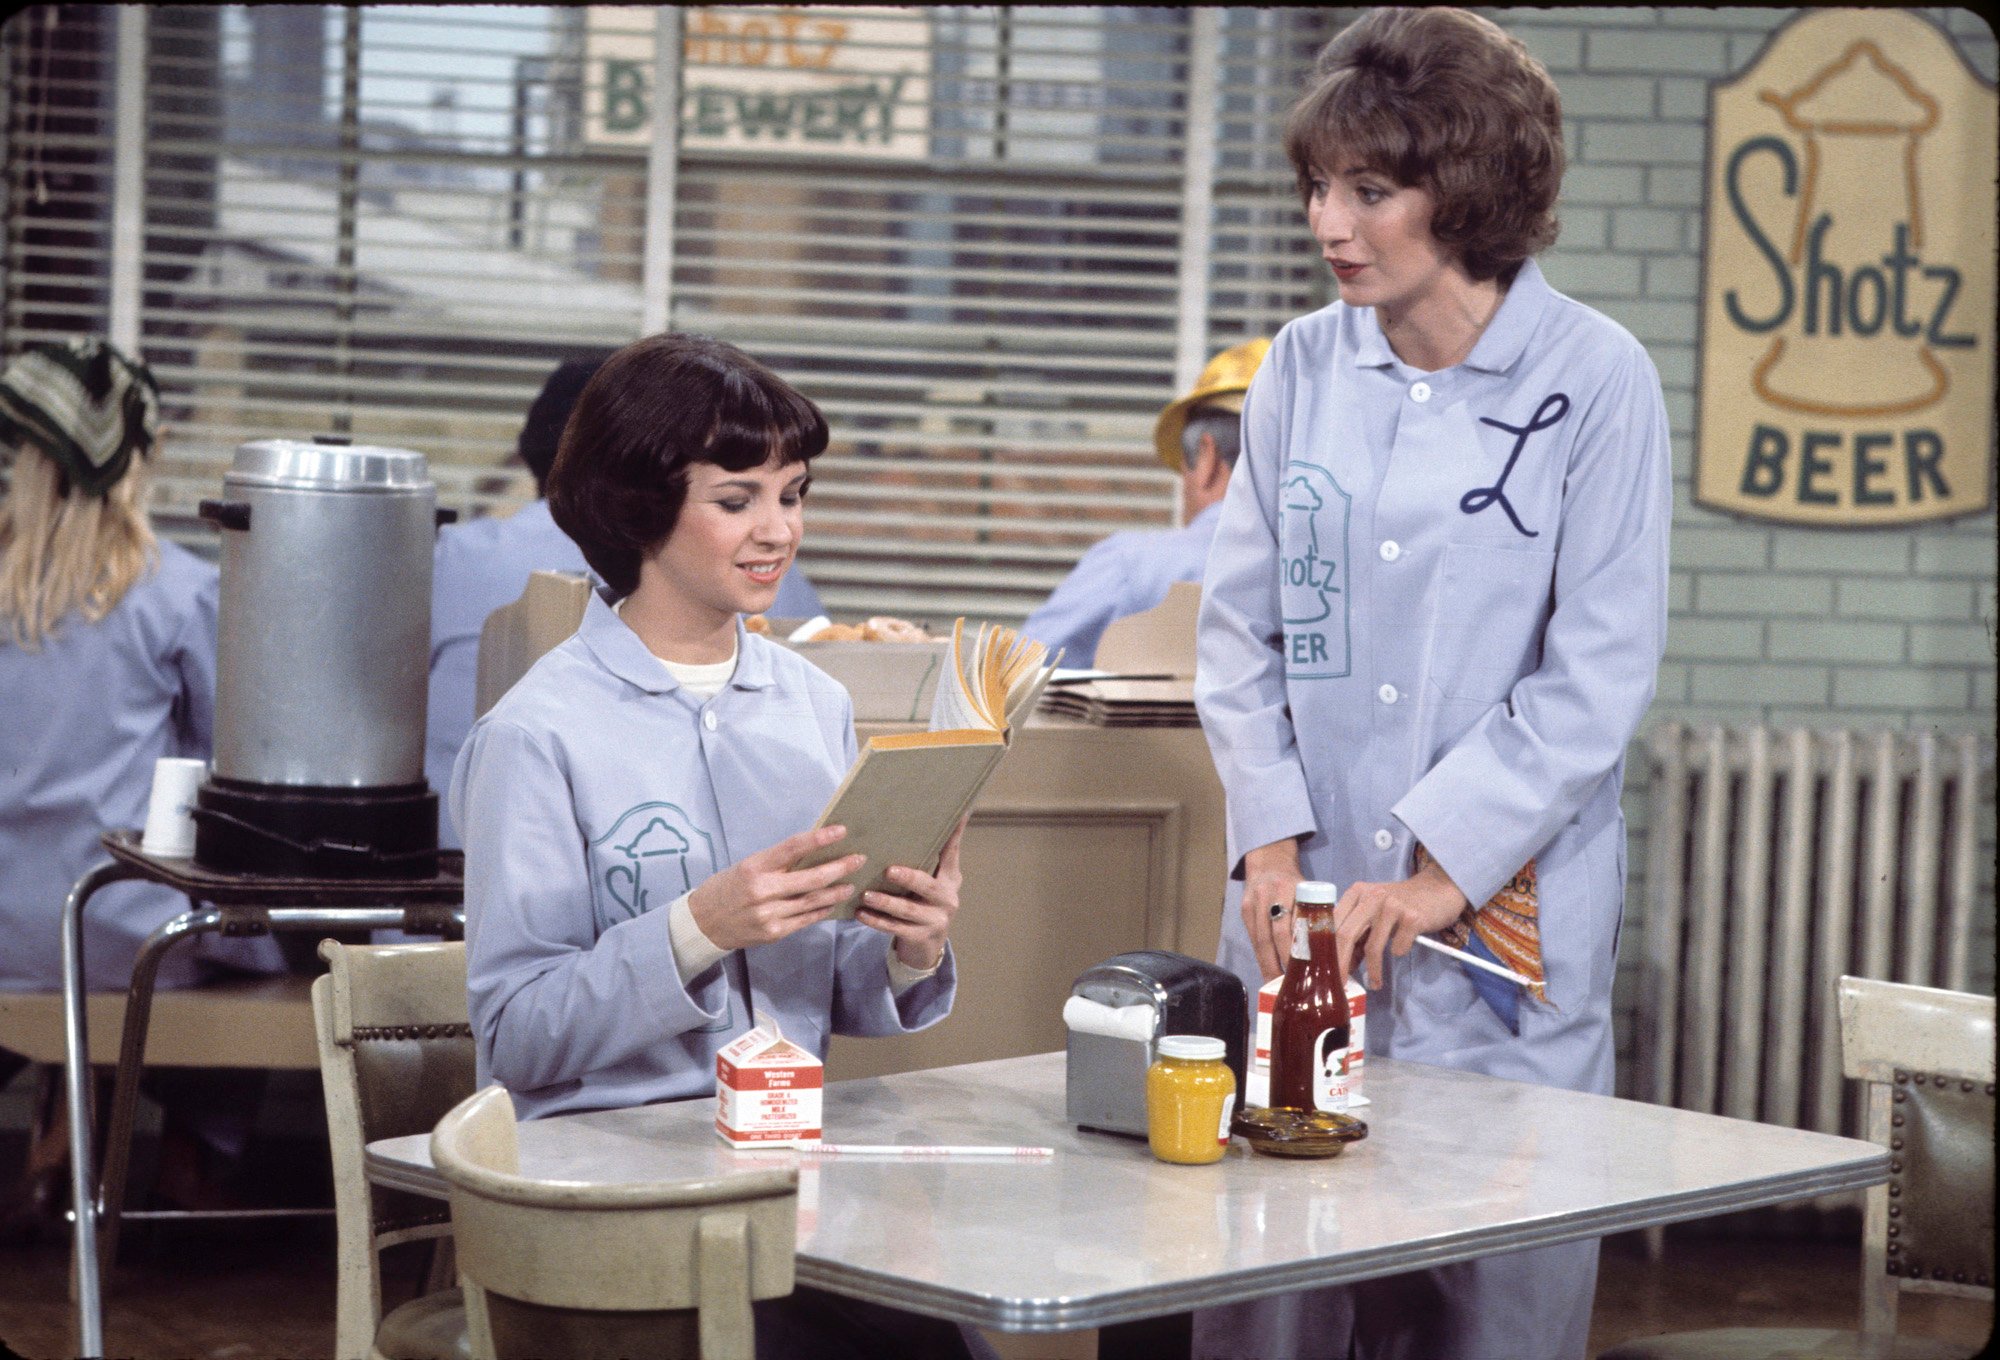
x=957 y=703
x=957 y=736
x=993 y=685
x=995 y=676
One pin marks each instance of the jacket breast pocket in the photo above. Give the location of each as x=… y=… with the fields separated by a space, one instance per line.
x=1486 y=628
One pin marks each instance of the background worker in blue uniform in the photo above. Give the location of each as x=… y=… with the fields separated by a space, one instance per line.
x=482 y=564
x=634 y=806
x=1432 y=621
x=107 y=662
x=1130 y=572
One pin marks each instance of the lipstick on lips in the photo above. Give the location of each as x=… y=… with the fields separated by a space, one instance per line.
x=1343 y=270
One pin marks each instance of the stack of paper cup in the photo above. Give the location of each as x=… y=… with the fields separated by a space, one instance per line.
x=169 y=821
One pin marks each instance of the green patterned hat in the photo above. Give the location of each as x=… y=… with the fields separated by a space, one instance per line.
x=82 y=403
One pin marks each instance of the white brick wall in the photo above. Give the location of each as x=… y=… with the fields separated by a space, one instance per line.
x=1768 y=623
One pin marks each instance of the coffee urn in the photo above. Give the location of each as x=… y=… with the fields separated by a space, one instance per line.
x=322 y=660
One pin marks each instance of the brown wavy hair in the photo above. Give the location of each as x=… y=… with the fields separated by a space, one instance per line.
x=1449 y=102
x=655 y=407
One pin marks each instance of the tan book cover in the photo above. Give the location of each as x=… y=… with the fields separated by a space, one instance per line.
x=905 y=795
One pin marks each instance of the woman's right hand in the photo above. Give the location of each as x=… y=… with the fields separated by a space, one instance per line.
x=1270 y=876
x=761 y=898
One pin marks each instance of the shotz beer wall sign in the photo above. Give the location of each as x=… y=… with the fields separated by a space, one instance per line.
x=1846 y=357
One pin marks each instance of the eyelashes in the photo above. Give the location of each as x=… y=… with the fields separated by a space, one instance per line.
x=788 y=500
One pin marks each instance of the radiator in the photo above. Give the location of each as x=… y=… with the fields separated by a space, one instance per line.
x=1777 y=860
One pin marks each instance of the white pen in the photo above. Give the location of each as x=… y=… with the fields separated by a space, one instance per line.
x=925 y=1150
x=1475 y=961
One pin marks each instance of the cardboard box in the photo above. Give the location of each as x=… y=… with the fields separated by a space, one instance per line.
x=888 y=681
x=1258 y=1079
x=767 y=1090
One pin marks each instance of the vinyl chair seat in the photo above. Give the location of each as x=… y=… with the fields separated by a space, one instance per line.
x=1782 y=1343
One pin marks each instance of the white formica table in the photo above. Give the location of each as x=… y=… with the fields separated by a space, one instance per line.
x=1455 y=1166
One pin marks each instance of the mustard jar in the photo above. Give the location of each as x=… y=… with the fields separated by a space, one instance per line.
x=1190 y=1095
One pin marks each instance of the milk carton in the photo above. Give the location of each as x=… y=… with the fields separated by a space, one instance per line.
x=1258 y=1080
x=767 y=1090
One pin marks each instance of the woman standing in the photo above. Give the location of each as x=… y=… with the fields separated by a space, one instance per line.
x=634 y=807
x=1432 y=621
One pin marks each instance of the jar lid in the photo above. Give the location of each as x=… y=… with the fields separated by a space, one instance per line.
x=1194 y=1046
x=302 y=465
x=1316 y=892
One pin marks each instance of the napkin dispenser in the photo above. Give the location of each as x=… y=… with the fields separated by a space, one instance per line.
x=1116 y=1012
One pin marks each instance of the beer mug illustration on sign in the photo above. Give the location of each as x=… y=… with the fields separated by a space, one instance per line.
x=1863 y=118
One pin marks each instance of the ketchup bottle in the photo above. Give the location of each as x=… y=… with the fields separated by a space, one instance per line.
x=1309 y=1023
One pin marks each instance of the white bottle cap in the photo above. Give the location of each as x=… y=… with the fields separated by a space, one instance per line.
x=1199 y=1047
x=1318 y=893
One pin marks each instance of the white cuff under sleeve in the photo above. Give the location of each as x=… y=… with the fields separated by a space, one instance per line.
x=902 y=977
x=694 y=952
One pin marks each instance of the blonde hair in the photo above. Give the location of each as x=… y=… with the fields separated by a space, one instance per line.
x=61 y=552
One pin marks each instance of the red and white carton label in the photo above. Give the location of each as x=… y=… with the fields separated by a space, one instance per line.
x=1258 y=1082
x=767 y=1090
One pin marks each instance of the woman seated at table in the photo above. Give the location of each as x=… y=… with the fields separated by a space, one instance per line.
x=634 y=807
x=107 y=661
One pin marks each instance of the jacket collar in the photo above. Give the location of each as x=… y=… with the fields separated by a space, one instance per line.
x=1499 y=346
x=1506 y=336
x=619 y=650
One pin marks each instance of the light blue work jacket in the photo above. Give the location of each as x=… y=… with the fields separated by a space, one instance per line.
x=591 y=796
x=1434 y=612
x=477 y=567
x=87 y=715
x=1123 y=574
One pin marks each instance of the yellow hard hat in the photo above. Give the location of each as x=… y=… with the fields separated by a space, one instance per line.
x=1221 y=384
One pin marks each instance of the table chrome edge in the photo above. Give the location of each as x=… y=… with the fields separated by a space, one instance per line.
x=1065 y=1314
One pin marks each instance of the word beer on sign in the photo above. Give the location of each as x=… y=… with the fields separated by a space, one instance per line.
x=799 y=78
x=1847 y=332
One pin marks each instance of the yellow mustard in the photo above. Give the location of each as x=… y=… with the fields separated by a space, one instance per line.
x=1190 y=1094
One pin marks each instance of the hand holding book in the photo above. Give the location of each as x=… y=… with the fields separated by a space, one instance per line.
x=768 y=895
x=907 y=793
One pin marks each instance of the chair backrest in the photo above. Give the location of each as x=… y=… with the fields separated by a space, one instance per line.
x=515 y=635
x=1927 y=1057
x=396 y=1053
x=585 y=1270
x=1159 y=640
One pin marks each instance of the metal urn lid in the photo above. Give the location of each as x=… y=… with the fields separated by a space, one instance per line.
x=324 y=465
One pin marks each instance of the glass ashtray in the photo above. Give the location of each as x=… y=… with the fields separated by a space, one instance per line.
x=1282 y=1131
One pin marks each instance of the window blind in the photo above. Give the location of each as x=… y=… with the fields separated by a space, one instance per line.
x=957 y=229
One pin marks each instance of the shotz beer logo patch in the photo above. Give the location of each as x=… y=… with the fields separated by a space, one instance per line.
x=1846 y=357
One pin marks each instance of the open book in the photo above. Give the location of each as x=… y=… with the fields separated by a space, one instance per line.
x=905 y=795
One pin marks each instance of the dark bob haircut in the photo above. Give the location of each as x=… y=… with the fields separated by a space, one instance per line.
x=1449 y=102
x=654 y=407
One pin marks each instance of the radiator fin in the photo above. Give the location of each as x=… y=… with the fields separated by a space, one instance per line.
x=1778 y=860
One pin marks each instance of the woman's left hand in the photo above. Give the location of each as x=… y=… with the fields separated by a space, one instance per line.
x=1390 y=916
x=920 y=917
